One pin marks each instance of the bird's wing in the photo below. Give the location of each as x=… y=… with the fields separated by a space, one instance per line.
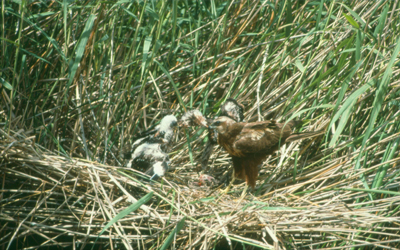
x=142 y=161
x=149 y=132
x=138 y=142
x=257 y=137
x=149 y=139
x=146 y=154
x=270 y=124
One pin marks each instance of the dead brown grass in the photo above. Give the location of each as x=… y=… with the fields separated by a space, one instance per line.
x=66 y=201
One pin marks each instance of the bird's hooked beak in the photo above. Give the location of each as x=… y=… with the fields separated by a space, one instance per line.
x=213 y=125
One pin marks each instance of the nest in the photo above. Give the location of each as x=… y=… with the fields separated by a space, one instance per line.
x=49 y=200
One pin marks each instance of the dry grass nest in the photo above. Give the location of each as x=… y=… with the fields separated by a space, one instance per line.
x=59 y=201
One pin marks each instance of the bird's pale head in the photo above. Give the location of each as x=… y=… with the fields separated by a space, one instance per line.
x=221 y=124
x=168 y=123
x=232 y=109
x=193 y=118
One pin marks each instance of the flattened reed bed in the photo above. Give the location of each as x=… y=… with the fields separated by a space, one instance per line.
x=61 y=201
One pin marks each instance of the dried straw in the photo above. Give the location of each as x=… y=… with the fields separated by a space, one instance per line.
x=60 y=201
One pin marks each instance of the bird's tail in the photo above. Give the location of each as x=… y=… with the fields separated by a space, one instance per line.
x=150 y=131
x=299 y=136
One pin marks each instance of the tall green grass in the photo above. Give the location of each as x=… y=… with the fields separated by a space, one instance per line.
x=85 y=76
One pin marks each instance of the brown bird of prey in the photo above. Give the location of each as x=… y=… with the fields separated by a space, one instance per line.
x=231 y=108
x=249 y=144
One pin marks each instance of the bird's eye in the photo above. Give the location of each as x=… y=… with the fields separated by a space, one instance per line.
x=217 y=123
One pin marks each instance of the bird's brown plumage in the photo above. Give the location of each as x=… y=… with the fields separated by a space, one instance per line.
x=193 y=118
x=249 y=144
x=232 y=109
